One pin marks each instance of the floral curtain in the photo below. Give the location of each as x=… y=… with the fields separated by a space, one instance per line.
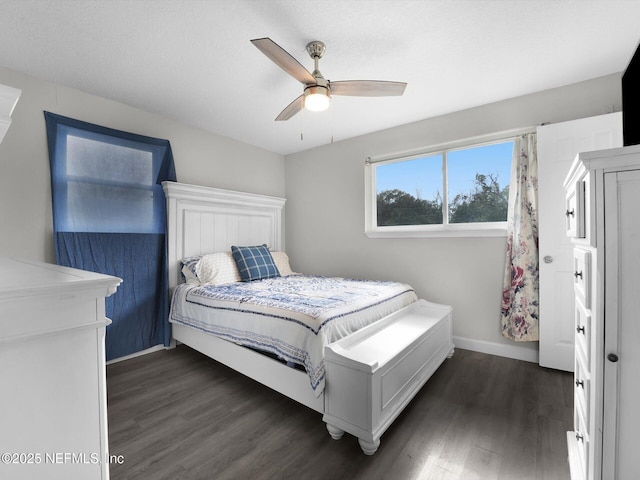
x=520 y=287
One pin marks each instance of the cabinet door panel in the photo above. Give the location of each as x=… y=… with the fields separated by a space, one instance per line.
x=622 y=328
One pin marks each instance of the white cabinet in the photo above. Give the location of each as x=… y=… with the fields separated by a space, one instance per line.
x=53 y=409
x=603 y=445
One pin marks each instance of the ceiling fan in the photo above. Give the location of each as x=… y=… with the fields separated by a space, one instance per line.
x=317 y=89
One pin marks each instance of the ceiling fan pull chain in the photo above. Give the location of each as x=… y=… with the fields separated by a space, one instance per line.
x=332 y=125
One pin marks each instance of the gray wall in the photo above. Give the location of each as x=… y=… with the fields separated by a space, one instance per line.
x=325 y=208
x=200 y=157
x=324 y=188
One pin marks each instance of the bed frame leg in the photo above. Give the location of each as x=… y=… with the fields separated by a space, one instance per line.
x=335 y=432
x=369 y=448
x=450 y=354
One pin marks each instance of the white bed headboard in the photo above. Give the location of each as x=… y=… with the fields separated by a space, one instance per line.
x=204 y=220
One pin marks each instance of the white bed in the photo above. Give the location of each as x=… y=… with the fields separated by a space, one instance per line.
x=205 y=220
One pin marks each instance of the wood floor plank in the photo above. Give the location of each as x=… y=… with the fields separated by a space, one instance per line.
x=481 y=464
x=177 y=414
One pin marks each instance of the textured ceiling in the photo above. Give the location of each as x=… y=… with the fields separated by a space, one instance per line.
x=192 y=61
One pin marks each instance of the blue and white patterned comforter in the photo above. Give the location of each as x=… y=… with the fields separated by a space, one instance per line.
x=293 y=317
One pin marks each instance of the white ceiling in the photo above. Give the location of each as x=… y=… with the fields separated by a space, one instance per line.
x=191 y=60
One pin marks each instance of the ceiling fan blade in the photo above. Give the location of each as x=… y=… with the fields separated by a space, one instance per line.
x=283 y=59
x=291 y=109
x=367 y=88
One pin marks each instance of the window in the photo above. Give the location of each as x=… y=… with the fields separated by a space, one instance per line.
x=458 y=190
x=100 y=176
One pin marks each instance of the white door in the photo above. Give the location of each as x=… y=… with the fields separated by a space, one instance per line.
x=558 y=145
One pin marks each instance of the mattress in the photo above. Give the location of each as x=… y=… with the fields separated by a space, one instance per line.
x=292 y=317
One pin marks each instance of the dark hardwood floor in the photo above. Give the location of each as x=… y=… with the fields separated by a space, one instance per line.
x=177 y=414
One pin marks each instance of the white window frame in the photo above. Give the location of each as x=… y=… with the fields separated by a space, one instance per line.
x=478 y=229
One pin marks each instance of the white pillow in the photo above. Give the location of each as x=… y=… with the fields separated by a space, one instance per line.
x=221 y=269
x=282 y=262
x=217 y=269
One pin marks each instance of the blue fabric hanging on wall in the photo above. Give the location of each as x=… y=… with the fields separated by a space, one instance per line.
x=109 y=216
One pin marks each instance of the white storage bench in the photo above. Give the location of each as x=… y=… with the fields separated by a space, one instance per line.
x=384 y=365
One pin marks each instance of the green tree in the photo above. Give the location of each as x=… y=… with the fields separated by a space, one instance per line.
x=487 y=202
x=396 y=207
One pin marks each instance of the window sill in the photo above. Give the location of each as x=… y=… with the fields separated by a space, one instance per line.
x=437 y=231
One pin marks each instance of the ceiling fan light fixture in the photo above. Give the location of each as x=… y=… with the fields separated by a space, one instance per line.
x=317 y=89
x=316 y=98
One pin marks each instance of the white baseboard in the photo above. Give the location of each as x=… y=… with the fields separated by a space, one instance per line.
x=502 y=350
x=137 y=354
x=482 y=346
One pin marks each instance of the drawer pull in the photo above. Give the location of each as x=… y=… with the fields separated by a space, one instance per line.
x=612 y=357
x=579 y=437
x=580 y=329
x=570 y=213
x=580 y=383
x=578 y=275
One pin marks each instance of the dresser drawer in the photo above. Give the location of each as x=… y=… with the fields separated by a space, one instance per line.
x=579 y=443
x=581 y=382
x=582 y=276
x=576 y=458
x=575 y=211
x=583 y=335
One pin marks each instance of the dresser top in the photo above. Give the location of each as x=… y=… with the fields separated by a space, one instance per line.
x=25 y=277
x=612 y=159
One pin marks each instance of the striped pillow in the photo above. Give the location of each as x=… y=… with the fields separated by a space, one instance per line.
x=254 y=263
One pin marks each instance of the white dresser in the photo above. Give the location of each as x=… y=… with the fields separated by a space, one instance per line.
x=603 y=220
x=53 y=408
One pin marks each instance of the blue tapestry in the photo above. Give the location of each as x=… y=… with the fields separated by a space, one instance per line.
x=109 y=216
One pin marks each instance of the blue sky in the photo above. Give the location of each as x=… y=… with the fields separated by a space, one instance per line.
x=423 y=176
